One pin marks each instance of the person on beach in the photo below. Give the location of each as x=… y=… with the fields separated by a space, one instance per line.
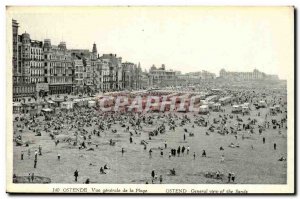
x=76 y=175
x=153 y=174
x=204 y=153
x=150 y=153
x=229 y=177
x=35 y=163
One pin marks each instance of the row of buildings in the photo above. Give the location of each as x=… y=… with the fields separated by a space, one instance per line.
x=161 y=77
x=242 y=76
x=41 y=68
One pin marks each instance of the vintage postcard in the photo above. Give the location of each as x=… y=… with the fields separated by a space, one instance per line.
x=150 y=100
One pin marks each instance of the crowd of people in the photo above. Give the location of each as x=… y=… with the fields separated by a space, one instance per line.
x=82 y=126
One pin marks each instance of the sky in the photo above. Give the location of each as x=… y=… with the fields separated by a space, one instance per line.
x=187 y=39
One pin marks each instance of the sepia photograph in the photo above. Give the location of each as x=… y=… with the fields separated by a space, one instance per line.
x=150 y=99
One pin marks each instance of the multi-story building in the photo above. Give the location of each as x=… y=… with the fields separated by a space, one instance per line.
x=84 y=65
x=115 y=70
x=101 y=75
x=131 y=76
x=206 y=75
x=36 y=62
x=96 y=73
x=79 y=75
x=28 y=67
x=272 y=77
x=15 y=63
x=194 y=78
x=255 y=75
x=144 y=80
x=138 y=76
x=89 y=78
x=40 y=68
x=127 y=76
x=104 y=67
x=161 y=76
x=58 y=68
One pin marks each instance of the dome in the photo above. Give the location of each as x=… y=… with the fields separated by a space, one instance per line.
x=153 y=67
x=25 y=36
x=62 y=46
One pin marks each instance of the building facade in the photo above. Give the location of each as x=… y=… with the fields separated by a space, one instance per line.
x=194 y=78
x=58 y=68
x=161 y=77
x=115 y=71
x=131 y=76
x=40 y=68
x=255 y=75
x=27 y=65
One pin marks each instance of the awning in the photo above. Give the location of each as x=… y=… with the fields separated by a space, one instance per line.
x=59 y=99
x=50 y=102
x=47 y=109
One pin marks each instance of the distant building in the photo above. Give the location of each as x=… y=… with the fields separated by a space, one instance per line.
x=144 y=81
x=131 y=76
x=161 y=76
x=242 y=76
x=192 y=78
x=272 y=77
x=207 y=75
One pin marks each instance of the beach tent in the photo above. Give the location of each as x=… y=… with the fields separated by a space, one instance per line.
x=203 y=109
x=272 y=110
x=78 y=102
x=211 y=104
x=246 y=104
x=50 y=102
x=47 y=110
x=155 y=107
x=277 y=107
x=203 y=102
x=91 y=103
x=245 y=109
x=225 y=100
x=17 y=107
x=216 y=107
x=262 y=104
x=236 y=108
x=198 y=98
x=184 y=108
x=212 y=98
x=67 y=105
x=81 y=102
